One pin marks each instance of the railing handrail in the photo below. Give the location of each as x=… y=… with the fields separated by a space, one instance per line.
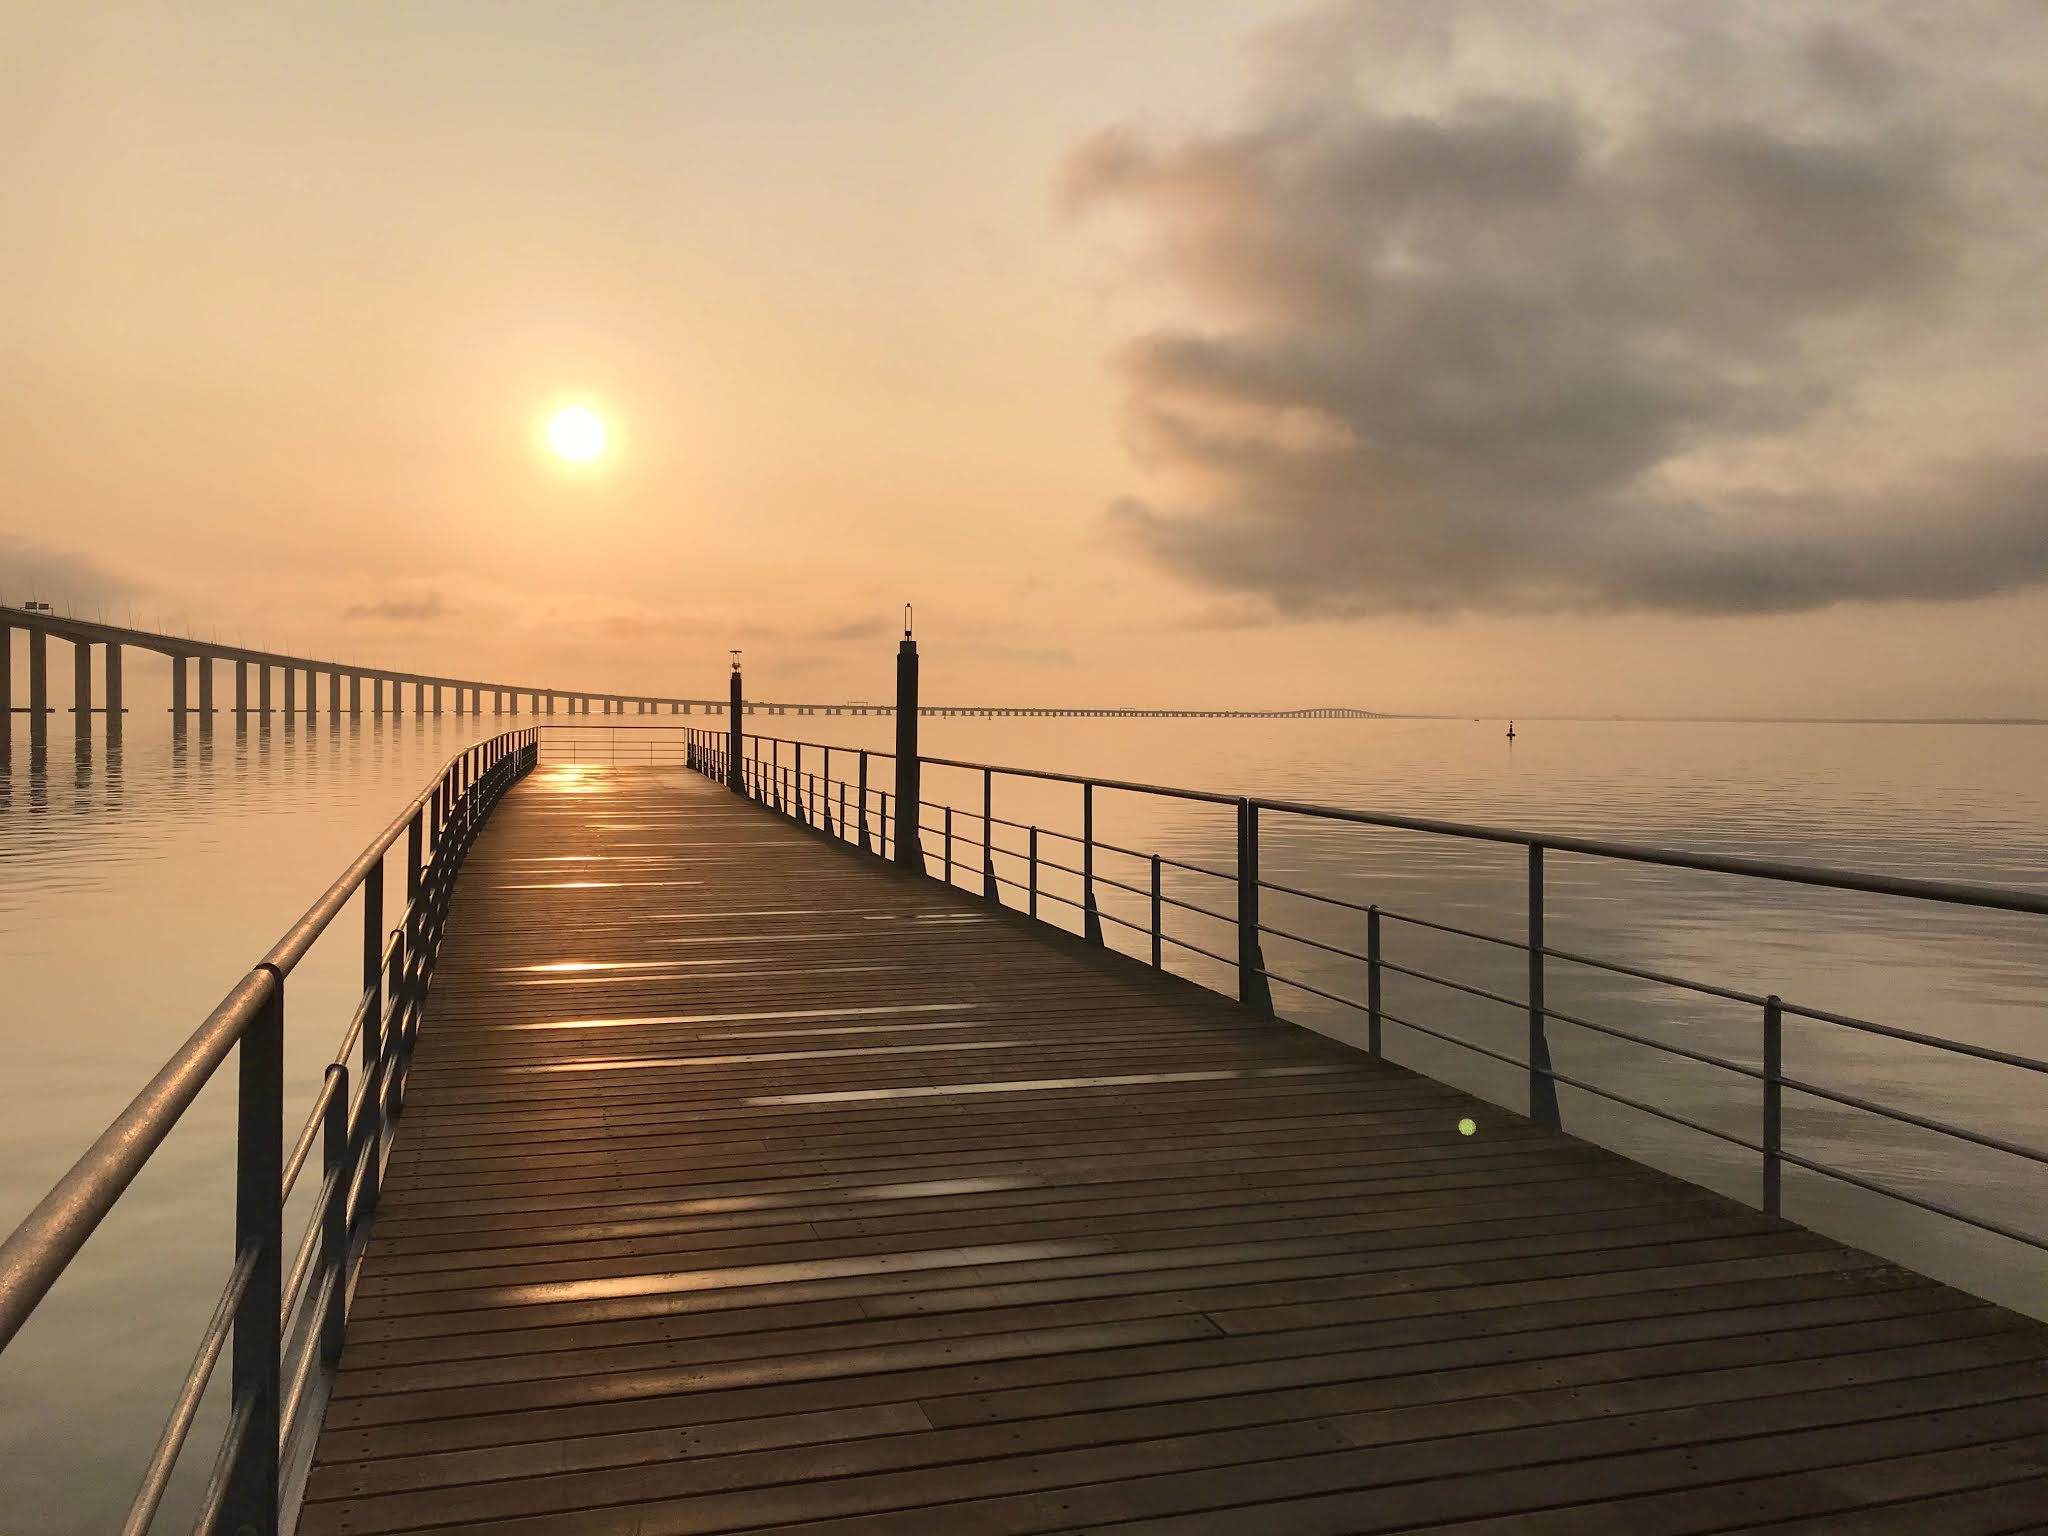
x=2006 y=898
x=45 y=1242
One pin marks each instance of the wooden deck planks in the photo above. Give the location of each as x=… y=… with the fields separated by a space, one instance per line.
x=748 y=1184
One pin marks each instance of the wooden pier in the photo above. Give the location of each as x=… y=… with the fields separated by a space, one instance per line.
x=745 y=1183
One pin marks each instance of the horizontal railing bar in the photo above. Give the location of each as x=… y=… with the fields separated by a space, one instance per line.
x=1311 y=987
x=1951 y=892
x=288 y=1298
x=1189 y=906
x=1456 y=986
x=1136 y=890
x=156 y=1477
x=1662 y=1114
x=309 y=1355
x=1924 y=1122
x=1424 y=1029
x=1657 y=1045
x=307 y=1136
x=1229 y=960
x=1893 y=1032
x=1464 y=933
x=1047 y=775
x=1348 y=954
x=1936 y=1207
x=1333 y=901
x=216 y=1490
x=1733 y=995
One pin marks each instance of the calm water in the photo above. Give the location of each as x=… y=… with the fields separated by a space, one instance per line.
x=137 y=884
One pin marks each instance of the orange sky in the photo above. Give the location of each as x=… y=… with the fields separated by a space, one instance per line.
x=288 y=287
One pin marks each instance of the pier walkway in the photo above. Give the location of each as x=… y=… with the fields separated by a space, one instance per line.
x=745 y=1183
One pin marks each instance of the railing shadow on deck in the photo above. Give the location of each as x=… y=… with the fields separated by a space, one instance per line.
x=285 y=1322
x=837 y=790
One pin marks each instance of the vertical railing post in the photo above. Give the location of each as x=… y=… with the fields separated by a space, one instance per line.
x=1542 y=1088
x=735 y=772
x=1252 y=988
x=989 y=889
x=252 y=1493
x=1774 y=1072
x=949 y=844
x=864 y=801
x=1372 y=980
x=373 y=1028
x=909 y=853
x=1032 y=888
x=334 y=1218
x=1158 y=913
x=1091 y=920
x=398 y=1039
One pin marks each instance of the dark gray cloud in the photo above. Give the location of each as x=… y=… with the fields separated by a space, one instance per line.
x=1532 y=307
x=417 y=608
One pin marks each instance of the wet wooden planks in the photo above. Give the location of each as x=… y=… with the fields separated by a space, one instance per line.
x=746 y=1183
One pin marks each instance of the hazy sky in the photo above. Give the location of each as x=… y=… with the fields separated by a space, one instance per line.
x=1507 y=356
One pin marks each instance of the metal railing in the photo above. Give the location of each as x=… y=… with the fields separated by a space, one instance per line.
x=796 y=778
x=282 y=1310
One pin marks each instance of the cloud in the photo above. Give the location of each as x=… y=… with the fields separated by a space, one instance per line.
x=420 y=608
x=1545 y=306
x=77 y=583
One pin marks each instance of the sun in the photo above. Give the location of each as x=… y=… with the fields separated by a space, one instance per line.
x=577 y=434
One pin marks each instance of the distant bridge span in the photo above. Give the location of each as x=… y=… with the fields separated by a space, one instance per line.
x=192 y=663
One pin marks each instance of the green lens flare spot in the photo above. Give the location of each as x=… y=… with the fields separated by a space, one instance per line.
x=1467 y=1127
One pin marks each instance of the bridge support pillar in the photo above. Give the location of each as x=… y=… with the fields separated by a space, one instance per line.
x=114 y=706
x=334 y=695
x=312 y=693
x=437 y=701
x=355 y=695
x=81 y=686
x=263 y=690
x=178 y=692
x=241 y=691
x=291 y=692
x=908 y=775
x=38 y=686
x=497 y=701
x=204 y=664
x=6 y=681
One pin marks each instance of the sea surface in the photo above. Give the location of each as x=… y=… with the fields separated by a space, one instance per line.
x=139 y=881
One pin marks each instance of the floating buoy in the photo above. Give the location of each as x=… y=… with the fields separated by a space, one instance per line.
x=1511 y=730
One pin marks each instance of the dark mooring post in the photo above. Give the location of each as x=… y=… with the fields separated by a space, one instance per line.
x=908 y=853
x=735 y=779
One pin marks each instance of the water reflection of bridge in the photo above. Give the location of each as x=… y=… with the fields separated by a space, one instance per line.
x=192 y=663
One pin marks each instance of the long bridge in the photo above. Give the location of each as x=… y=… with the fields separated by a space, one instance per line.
x=758 y=1138
x=192 y=663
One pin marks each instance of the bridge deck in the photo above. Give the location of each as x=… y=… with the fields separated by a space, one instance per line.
x=823 y=1198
